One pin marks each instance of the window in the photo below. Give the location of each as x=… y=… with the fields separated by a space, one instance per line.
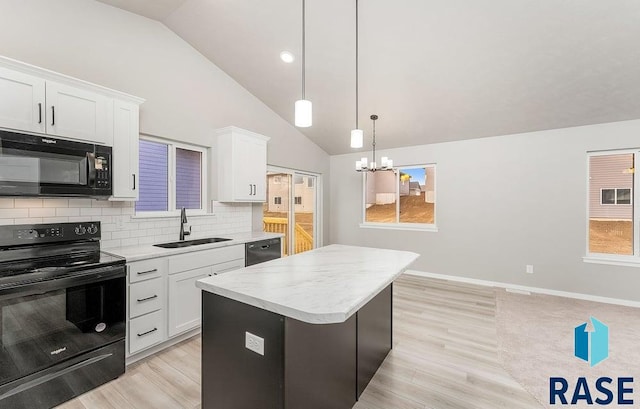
x=615 y=196
x=298 y=200
x=277 y=200
x=611 y=215
x=172 y=176
x=404 y=198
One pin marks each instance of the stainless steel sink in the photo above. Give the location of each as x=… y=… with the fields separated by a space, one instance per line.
x=187 y=243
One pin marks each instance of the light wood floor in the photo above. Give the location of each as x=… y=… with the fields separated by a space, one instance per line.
x=444 y=356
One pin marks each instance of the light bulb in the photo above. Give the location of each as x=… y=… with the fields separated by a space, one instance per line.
x=303 y=113
x=357 y=137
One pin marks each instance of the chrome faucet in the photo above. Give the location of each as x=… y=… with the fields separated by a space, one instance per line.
x=183 y=221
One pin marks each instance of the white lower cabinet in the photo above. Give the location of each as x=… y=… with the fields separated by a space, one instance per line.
x=146 y=297
x=164 y=301
x=146 y=331
x=185 y=301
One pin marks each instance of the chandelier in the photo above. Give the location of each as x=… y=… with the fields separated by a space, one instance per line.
x=364 y=165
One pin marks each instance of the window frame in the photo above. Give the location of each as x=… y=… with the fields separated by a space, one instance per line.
x=615 y=196
x=171 y=163
x=430 y=227
x=606 y=258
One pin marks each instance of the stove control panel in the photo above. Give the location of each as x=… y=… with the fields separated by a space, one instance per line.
x=48 y=233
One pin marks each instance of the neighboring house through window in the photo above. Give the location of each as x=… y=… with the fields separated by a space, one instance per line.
x=610 y=204
x=404 y=198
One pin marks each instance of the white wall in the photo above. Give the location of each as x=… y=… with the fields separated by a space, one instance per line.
x=502 y=202
x=187 y=96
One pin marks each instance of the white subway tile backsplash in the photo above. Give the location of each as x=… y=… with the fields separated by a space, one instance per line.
x=6 y=204
x=102 y=203
x=109 y=244
x=42 y=211
x=80 y=202
x=55 y=219
x=90 y=211
x=28 y=220
x=13 y=213
x=27 y=203
x=108 y=227
x=118 y=226
x=120 y=234
x=111 y=211
x=55 y=203
x=67 y=211
x=130 y=242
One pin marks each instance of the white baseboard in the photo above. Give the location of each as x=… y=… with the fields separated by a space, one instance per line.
x=525 y=289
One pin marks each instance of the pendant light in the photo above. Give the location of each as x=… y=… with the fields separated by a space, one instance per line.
x=303 y=108
x=357 y=135
x=364 y=165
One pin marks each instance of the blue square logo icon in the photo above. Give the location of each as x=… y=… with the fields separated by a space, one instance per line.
x=593 y=346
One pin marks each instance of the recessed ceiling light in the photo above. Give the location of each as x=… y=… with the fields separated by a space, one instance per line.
x=287 y=57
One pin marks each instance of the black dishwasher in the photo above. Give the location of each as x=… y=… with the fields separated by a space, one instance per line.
x=261 y=251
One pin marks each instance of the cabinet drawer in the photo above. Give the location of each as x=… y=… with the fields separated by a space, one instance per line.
x=146 y=331
x=147 y=269
x=206 y=258
x=145 y=297
x=227 y=267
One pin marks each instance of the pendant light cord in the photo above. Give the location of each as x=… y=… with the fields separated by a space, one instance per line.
x=357 y=83
x=304 y=57
x=374 y=138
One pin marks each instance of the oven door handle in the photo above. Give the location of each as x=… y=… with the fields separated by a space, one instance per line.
x=78 y=279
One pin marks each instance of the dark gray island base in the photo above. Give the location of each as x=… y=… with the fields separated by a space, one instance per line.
x=304 y=366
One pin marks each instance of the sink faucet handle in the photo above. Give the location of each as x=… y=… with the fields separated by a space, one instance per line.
x=187 y=233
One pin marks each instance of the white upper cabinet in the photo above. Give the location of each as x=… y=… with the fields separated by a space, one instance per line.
x=240 y=166
x=125 y=151
x=37 y=100
x=79 y=114
x=22 y=101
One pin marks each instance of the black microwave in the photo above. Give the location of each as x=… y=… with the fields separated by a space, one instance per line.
x=36 y=165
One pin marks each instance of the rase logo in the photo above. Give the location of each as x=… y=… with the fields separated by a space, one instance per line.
x=592 y=347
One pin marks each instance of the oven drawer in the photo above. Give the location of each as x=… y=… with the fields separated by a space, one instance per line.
x=145 y=297
x=146 y=331
x=146 y=269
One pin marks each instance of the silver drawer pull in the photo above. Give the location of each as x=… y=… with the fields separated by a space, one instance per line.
x=147 y=272
x=148 y=298
x=148 y=332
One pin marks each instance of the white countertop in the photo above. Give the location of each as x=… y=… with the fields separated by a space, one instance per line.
x=322 y=286
x=136 y=253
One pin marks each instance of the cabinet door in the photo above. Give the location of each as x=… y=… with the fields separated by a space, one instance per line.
x=22 y=104
x=125 y=151
x=185 y=301
x=249 y=164
x=79 y=114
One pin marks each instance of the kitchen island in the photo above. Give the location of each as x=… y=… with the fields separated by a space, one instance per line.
x=306 y=331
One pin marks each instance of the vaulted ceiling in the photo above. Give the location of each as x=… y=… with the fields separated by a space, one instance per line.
x=433 y=70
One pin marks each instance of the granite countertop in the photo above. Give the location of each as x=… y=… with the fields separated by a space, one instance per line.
x=322 y=286
x=143 y=252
